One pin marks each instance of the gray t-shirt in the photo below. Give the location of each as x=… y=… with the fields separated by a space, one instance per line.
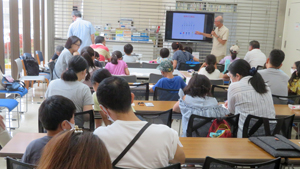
x=277 y=80
x=62 y=63
x=182 y=57
x=34 y=150
x=131 y=58
x=76 y=91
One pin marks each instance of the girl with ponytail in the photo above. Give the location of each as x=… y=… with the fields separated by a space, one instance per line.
x=248 y=93
x=209 y=67
x=70 y=86
x=181 y=56
x=117 y=66
x=196 y=99
x=89 y=55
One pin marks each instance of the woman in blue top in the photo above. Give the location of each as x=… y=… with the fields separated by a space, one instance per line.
x=195 y=99
x=181 y=56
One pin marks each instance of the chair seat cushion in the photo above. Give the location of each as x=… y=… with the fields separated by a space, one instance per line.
x=45 y=74
x=8 y=103
x=32 y=78
x=21 y=92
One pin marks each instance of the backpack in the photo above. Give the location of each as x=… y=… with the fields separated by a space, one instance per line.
x=31 y=66
x=219 y=129
x=13 y=85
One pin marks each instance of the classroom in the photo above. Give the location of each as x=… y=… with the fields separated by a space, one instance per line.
x=165 y=84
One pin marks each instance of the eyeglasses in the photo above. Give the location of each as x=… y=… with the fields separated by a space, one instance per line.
x=76 y=44
x=293 y=67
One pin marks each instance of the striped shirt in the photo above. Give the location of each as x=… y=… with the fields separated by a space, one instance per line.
x=244 y=100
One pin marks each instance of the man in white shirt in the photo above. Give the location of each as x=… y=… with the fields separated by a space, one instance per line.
x=220 y=37
x=255 y=57
x=155 y=148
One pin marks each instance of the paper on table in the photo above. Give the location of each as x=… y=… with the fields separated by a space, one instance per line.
x=149 y=104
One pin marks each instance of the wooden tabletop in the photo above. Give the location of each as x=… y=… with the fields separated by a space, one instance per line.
x=284 y=111
x=159 y=106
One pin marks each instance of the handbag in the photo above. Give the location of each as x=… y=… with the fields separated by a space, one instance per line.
x=129 y=146
x=192 y=62
x=219 y=129
x=12 y=85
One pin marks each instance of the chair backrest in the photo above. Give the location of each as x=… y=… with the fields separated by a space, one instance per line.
x=128 y=78
x=219 y=92
x=216 y=81
x=258 y=67
x=158 y=118
x=27 y=55
x=165 y=94
x=184 y=66
x=20 y=67
x=51 y=66
x=220 y=67
x=198 y=126
x=293 y=99
x=140 y=90
x=103 y=63
x=153 y=78
x=212 y=163
x=15 y=164
x=150 y=65
x=40 y=57
x=133 y=64
x=261 y=126
x=90 y=115
x=172 y=166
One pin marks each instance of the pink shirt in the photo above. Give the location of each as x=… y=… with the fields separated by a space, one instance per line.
x=118 y=69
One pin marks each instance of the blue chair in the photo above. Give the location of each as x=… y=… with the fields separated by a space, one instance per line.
x=10 y=104
x=21 y=92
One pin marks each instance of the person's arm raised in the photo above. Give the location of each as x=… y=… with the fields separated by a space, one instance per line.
x=204 y=34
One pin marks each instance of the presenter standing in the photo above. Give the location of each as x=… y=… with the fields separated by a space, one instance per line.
x=220 y=37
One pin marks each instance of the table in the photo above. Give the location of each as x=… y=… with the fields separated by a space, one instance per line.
x=145 y=73
x=159 y=106
x=186 y=74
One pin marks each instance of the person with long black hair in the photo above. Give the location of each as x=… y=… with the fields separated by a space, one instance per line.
x=248 y=93
x=209 y=67
x=294 y=81
x=88 y=54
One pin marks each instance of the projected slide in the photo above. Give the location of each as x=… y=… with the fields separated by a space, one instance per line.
x=185 y=25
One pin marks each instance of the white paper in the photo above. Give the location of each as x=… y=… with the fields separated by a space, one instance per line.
x=149 y=104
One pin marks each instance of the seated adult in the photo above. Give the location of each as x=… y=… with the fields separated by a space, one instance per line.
x=75 y=149
x=89 y=55
x=294 y=81
x=169 y=81
x=72 y=45
x=56 y=114
x=195 y=98
x=248 y=93
x=181 y=56
x=158 y=144
x=255 y=57
x=234 y=50
x=58 y=51
x=117 y=66
x=100 y=47
x=128 y=48
x=70 y=86
x=209 y=67
x=274 y=77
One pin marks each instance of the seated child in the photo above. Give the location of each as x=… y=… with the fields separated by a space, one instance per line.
x=100 y=47
x=209 y=67
x=128 y=48
x=96 y=60
x=169 y=81
x=117 y=66
x=56 y=114
x=58 y=50
x=164 y=55
x=196 y=99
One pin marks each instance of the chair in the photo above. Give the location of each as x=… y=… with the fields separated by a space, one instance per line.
x=51 y=66
x=88 y=115
x=150 y=65
x=198 y=126
x=140 y=90
x=184 y=66
x=153 y=78
x=212 y=163
x=10 y=104
x=260 y=126
x=165 y=94
x=172 y=166
x=158 y=118
x=220 y=67
x=15 y=164
x=40 y=57
x=259 y=67
x=103 y=63
x=26 y=55
x=219 y=92
x=133 y=64
x=216 y=81
x=128 y=78
x=293 y=99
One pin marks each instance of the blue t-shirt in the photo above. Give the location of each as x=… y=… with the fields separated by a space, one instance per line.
x=175 y=83
x=182 y=57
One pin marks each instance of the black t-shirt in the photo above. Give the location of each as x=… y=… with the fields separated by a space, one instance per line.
x=55 y=56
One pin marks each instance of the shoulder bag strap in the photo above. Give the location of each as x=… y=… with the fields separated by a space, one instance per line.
x=130 y=144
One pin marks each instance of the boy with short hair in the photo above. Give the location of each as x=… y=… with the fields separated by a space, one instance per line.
x=100 y=47
x=169 y=81
x=276 y=79
x=56 y=114
x=128 y=48
x=164 y=55
x=58 y=50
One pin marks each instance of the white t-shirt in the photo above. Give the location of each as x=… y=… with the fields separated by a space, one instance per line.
x=218 y=49
x=156 y=146
x=213 y=75
x=255 y=58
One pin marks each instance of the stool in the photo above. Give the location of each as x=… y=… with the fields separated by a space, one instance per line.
x=10 y=104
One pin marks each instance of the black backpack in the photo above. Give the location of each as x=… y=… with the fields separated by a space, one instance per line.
x=31 y=66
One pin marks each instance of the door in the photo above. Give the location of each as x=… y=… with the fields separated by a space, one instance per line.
x=291 y=38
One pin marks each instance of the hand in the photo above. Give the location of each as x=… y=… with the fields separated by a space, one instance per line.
x=226 y=104
x=204 y=64
x=198 y=33
x=214 y=33
x=2 y=123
